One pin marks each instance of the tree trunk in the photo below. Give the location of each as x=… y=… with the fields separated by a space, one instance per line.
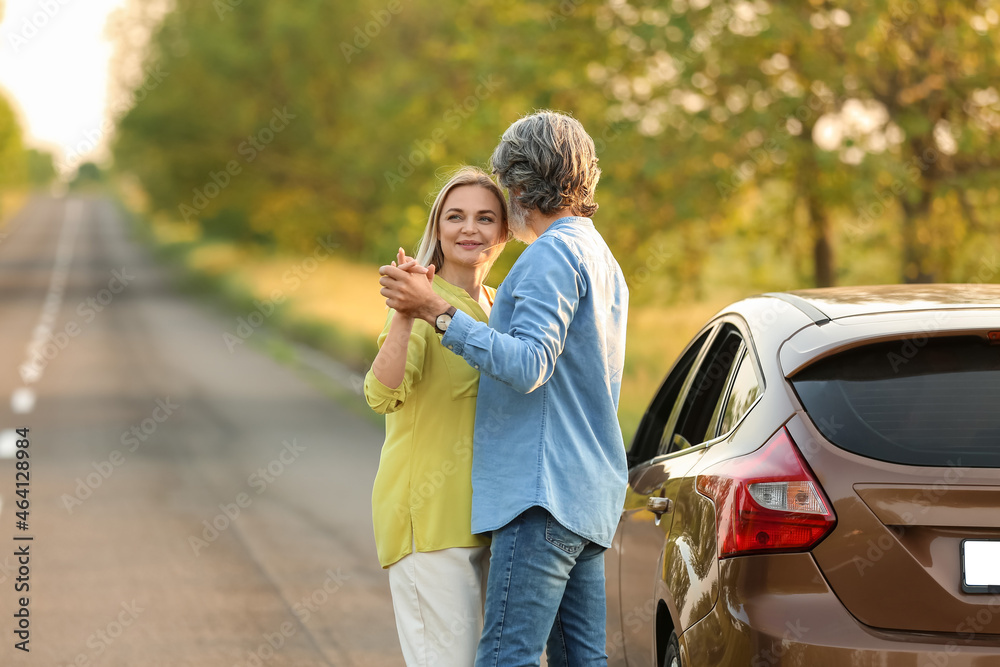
x=819 y=223
x=916 y=256
x=824 y=273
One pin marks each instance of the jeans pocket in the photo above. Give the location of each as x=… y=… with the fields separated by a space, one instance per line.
x=562 y=538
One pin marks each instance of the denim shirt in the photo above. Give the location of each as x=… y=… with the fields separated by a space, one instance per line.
x=550 y=363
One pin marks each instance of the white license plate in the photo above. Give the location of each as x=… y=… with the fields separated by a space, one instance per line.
x=980 y=566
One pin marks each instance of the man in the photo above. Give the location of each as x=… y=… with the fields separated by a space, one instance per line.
x=549 y=470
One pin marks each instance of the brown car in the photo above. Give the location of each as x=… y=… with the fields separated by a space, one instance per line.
x=817 y=482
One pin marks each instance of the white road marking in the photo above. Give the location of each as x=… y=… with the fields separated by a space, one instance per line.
x=22 y=401
x=34 y=363
x=8 y=443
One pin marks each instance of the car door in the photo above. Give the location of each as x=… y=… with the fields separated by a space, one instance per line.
x=686 y=417
x=683 y=416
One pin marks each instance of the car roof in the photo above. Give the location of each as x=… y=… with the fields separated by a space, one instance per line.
x=842 y=317
x=832 y=303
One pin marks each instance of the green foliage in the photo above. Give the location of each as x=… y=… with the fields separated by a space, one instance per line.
x=88 y=176
x=876 y=110
x=716 y=125
x=12 y=154
x=41 y=170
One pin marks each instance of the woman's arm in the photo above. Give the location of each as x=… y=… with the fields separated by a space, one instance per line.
x=390 y=363
x=400 y=359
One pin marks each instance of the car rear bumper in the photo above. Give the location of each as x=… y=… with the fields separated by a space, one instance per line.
x=778 y=610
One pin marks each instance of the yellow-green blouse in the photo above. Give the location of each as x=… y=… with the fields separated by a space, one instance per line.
x=423 y=486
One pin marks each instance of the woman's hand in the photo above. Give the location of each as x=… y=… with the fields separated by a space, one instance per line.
x=408 y=293
x=411 y=265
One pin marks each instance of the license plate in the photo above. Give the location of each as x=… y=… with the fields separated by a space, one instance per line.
x=981 y=566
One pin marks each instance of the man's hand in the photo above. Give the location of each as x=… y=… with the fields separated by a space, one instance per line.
x=407 y=289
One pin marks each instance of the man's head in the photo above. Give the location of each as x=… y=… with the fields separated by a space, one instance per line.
x=547 y=162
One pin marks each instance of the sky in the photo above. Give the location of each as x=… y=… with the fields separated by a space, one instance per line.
x=54 y=69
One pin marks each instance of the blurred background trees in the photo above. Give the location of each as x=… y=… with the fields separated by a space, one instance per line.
x=21 y=168
x=747 y=144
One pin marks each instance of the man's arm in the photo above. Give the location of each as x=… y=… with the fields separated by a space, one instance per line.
x=546 y=294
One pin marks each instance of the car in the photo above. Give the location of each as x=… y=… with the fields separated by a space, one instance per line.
x=817 y=482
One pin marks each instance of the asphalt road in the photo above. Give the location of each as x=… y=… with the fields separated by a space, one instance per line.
x=186 y=505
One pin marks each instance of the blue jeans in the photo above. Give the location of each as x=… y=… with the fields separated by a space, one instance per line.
x=546 y=584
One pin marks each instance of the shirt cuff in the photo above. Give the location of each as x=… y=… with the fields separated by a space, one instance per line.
x=382 y=399
x=458 y=332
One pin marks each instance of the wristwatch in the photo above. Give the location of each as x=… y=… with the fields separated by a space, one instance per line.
x=442 y=321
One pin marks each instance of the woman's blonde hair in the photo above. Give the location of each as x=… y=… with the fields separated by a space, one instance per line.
x=430 y=251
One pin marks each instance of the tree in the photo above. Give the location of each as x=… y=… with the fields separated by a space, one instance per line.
x=41 y=170
x=381 y=98
x=88 y=175
x=831 y=100
x=12 y=156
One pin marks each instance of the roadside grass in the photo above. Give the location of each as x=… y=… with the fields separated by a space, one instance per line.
x=333 y=305
x=11 y=202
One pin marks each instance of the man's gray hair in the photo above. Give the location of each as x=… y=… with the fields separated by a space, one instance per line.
x=548 y=161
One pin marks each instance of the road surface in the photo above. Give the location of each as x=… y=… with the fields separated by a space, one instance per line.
x=186 y=505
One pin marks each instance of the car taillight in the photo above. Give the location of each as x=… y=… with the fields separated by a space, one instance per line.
x=767 y=501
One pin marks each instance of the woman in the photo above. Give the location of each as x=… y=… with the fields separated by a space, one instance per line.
x=422 y=499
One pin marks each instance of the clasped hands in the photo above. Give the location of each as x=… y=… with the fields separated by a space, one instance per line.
x=406 y=286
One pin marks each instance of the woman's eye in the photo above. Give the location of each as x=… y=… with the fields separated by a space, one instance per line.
x=486 y=218
x=454 y=216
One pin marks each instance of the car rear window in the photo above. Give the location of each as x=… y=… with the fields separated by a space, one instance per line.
x=922 y=401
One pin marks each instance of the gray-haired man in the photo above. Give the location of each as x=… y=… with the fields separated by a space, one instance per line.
x=549 y=470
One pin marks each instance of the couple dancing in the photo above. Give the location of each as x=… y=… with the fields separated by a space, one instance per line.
x=502 y=439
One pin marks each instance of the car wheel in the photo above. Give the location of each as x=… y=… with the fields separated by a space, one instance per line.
x=672 y=658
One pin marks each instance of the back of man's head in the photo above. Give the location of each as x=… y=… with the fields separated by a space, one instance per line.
x=548 y=162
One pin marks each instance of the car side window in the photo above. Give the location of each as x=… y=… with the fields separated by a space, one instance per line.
x=745 y=390
x=713 y=423
x=693 y=415
x=647 y=439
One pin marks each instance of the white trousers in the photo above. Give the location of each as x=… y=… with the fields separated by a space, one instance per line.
x=438 y=600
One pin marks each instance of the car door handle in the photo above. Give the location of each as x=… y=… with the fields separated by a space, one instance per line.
x=658 y=506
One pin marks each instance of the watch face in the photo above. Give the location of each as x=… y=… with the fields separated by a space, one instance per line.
x=442 y=321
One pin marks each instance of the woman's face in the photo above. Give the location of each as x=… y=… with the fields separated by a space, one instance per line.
x=470 y=226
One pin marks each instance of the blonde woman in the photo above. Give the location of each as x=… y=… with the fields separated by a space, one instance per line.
x=422 y=499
